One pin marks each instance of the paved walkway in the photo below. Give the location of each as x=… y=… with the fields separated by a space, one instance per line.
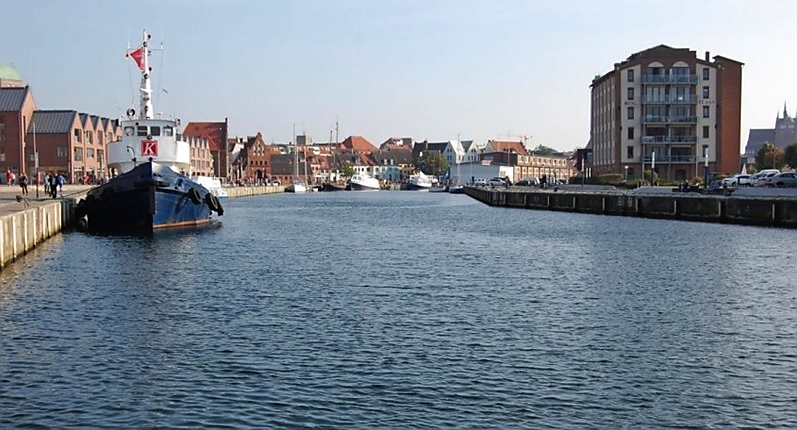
x=9 y=203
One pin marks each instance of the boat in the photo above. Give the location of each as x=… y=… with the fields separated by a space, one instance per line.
x=212 y=184
x=297 y=186
x=151 y=190
x=456 y=189
x=363 y=182
x=420 y=182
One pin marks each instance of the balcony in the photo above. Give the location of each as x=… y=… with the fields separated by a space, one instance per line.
x=660 y=119
x=672 y=159
x=674 y=99
x=669 y=79
x=669 y=139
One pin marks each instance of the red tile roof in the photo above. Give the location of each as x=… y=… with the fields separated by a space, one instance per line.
x=504 y=145
x=214 y=132
x=357 y=144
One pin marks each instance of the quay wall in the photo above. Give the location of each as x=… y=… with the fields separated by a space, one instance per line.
x=22 y=227
x=22 y=231
x=746 y=210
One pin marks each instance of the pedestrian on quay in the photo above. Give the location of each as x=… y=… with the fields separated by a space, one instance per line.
x=23 y=183
x=61 y=181
x=53 y=185
x=46 y=184
x=9 y=177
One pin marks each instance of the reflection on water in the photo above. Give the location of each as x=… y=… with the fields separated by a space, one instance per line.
x=398 y=309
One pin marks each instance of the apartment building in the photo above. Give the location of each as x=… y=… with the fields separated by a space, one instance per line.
x=665 y=109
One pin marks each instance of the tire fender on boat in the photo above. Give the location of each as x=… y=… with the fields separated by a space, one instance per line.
x=213 y=203
x=193 y=194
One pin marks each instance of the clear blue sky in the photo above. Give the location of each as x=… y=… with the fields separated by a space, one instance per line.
x=429 y=69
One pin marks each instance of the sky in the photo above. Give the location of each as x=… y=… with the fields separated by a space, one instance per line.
x=427 y=69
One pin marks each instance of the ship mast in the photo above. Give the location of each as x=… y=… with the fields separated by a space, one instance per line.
x=146 y=85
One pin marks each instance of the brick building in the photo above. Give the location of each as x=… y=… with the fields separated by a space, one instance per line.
x=667 y=105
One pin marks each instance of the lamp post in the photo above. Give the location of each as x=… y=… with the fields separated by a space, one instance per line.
x=626 y=173
x=705 y=166
x=36 y=160
x=652 y=166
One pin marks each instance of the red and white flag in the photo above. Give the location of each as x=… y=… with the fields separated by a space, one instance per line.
x=138 y=56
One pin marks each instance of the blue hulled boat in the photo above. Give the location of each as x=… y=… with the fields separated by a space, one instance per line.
x=152 y=191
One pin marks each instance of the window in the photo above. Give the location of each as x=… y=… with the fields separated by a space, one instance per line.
x=89 y=140
x=142 y=130
x=155 y=131
x=630 y=94
x=705 y=92
x=2 y=133
x=60 y=151
x=705 y=73
x=629 y=152
x=77 y=135
x=630 y=74
x=630 y=113
x=168 y=130
x=129 y=131
x=78 y=154
x=90 y=153
x=630 y=133
x=706 y=111
x=705 y=132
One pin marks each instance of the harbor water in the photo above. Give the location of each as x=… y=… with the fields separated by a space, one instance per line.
x=379 y=310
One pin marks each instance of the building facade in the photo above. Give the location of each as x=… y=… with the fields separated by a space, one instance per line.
x=783 y=135
x=664 y=109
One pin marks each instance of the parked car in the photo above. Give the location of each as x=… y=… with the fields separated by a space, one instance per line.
x=784 y=180
x=495 y=181
x=760 y=178
x=480 y=182
x=528 y=182
x=736 y=181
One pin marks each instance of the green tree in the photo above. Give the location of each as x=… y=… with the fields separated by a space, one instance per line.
x=432 y=163
x=347 y=169
x=543 y=150
x=769 y=156
x=790 y=155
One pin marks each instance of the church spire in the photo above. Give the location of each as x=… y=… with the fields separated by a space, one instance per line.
x=785 y=112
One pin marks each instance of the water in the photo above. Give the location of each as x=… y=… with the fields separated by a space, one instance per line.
x=404 y=310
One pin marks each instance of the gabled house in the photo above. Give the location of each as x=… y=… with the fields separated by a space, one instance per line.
x=393 y=165
x=357 y=144
x=216 y=135
x=16 y=109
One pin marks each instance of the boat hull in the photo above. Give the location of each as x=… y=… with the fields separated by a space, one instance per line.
x=357 y=186
x=149 y=197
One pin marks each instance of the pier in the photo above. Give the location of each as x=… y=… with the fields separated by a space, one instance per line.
x=26 y=222
x=743 y=208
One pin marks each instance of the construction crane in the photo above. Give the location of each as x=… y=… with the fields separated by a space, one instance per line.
x=524 y=138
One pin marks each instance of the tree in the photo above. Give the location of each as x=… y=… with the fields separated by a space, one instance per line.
x=790 y=155
x=347 y=169
x=769 y=156
x=432 y=163
x=543 y=150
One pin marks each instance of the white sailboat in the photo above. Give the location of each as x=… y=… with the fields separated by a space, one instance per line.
x=297 y=186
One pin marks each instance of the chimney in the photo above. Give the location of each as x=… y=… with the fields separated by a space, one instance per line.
x=708 y=55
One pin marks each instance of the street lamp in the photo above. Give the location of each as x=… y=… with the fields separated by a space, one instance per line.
x=705 y=166
x=35 y=160
x=626 y=173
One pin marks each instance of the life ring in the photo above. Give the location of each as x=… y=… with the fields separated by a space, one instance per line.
x=213 y=203
x=193 y=194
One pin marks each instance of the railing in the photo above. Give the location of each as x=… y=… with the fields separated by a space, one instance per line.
x=669 y=139
x=660 y=119
x=670 y=159
x=671 y=99
x=669 y=79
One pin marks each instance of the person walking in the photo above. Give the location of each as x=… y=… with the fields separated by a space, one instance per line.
x=53 y=185
x=9 y=177
x=61 y=181
x=23 y=183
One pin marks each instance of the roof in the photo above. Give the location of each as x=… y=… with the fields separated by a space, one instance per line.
x=214 y=132
x=11 y=99
x=53 y=121
x=506 y=145
x=400 y=156
x=357 y=144
x=757 y=137
x=9 y=72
